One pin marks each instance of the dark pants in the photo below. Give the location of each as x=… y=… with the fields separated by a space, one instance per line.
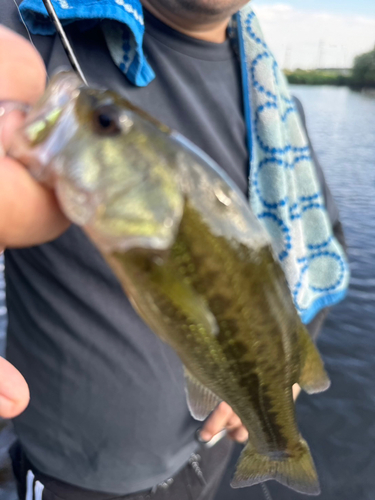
x=198 y=480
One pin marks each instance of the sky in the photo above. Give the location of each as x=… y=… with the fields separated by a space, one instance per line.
x=317 y=33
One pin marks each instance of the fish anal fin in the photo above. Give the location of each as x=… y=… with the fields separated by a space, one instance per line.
x=201 y=401
x=296 y=472
x=312 y=378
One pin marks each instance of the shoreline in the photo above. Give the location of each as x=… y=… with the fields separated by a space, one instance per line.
x=333 y=78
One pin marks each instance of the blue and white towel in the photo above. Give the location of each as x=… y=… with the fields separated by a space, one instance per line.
x=284 y=190
x=285 y=193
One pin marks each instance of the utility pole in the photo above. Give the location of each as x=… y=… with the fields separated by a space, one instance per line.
x=288 y=57
x=321 y=48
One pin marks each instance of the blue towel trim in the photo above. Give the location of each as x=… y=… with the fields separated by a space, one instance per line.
x=321 y=303
x=237 y=33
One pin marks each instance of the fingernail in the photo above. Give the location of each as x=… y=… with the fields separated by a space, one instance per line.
x=198 y=436
x=205 y=436
x=6 y=407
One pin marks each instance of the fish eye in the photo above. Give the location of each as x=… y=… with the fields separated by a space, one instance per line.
x=106 y=121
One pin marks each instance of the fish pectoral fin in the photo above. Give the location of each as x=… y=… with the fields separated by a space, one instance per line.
x=185 y=299
x=297 y=472
x=312 y=378
x=201 y=401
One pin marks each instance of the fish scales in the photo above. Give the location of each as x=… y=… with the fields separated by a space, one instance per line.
x=193 y=260
x=200 y=257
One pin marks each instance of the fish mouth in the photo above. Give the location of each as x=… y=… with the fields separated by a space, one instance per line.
x=36 y=143
x=64 y=87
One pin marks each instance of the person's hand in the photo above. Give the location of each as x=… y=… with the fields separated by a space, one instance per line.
x=29 y=213
x=296 y=391
x=225 y=418
x=14 y=392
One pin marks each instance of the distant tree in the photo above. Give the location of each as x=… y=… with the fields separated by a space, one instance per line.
x=364 y=70
x=317 y=77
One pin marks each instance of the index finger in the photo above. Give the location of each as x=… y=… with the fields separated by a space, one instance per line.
x=217 y=421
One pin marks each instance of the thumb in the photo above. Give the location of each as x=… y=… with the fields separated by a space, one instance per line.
x=14 y=392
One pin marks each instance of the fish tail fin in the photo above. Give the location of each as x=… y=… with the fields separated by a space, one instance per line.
x=297 y=472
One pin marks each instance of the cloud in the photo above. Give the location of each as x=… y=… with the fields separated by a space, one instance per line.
x=310 y=39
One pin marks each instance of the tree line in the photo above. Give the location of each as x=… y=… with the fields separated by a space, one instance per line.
x=361 y=76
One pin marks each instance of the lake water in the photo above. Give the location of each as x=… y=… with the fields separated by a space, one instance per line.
x=339 y=424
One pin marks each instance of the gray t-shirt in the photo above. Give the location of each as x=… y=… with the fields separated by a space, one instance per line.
x=108 y=409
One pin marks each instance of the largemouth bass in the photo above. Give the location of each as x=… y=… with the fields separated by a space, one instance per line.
x=193 y=259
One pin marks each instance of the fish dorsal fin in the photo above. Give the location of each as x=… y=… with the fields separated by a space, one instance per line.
x=201 y=401
x=313 y=377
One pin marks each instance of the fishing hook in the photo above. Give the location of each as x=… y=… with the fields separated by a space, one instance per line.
x=64 y=40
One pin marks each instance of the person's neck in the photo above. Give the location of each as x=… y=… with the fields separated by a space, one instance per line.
x=215 y=32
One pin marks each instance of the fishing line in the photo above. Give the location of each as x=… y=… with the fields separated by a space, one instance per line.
x=23 y=22
x=27 y=30
x=266 y=492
